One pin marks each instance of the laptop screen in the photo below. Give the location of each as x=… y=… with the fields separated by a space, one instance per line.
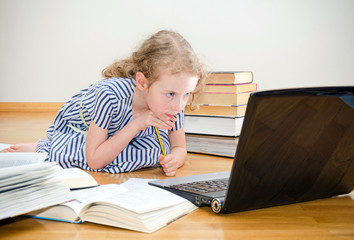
x=296 y=145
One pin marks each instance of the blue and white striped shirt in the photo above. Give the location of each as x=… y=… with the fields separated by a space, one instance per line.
x=109 y=104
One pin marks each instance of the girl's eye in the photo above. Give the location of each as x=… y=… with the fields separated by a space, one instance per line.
x=187 y=94
x=170 y=94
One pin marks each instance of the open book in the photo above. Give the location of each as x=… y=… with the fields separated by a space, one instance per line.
x=30 y=187
x=72 y=177
x=144 y=208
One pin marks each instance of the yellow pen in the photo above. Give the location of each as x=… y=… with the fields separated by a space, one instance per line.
x=159 y=138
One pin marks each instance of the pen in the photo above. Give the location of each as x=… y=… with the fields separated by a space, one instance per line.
x=159 y=138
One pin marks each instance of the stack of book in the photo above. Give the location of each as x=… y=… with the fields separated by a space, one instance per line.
x=215 y=127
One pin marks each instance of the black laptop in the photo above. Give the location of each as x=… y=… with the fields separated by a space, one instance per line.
x=295 y=145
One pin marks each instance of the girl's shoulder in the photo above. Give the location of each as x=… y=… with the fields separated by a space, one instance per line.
x=121 y=87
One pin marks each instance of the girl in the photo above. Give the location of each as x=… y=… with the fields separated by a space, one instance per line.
x=109 y=126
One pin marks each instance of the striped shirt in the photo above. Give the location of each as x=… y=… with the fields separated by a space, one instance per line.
x=108 y=103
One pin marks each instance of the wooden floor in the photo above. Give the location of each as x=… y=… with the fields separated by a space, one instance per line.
x=331 y=218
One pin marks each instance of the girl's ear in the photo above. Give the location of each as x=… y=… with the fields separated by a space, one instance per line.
x=141 y=81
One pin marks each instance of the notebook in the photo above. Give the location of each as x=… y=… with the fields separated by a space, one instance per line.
x=295 y=145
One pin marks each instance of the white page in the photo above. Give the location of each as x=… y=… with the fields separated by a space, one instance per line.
x=21 y=158
x=36 y=197
x=25 y=188
x=27 y=171
x=75 y=178
x=81 y=199
x=89 y=195
x=145 y=199
x=134 y=183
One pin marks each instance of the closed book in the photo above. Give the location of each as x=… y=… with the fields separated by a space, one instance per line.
x=230 y=88
x=225 y=99
x=223 y=111
x=214 y=145
x=212 y=125
x=232 y=77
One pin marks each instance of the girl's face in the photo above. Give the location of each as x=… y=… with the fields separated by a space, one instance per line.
x=169 y=94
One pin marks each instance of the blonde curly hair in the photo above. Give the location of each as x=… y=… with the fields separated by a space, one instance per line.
x=162 y=49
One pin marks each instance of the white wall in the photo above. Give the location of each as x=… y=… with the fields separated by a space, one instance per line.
x=50 y=49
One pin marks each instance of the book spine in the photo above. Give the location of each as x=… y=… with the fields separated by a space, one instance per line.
x=226 y=94
x=52 y=219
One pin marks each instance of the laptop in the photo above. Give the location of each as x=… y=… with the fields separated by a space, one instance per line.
x=295 y=145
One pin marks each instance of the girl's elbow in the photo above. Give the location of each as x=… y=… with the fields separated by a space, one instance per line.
x=182 y=162
x=93 y=164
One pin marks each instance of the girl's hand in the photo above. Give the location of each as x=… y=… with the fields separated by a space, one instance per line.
x=169 y=164
x=147 y=119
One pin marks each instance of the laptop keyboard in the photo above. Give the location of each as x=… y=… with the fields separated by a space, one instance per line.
x=203 y=186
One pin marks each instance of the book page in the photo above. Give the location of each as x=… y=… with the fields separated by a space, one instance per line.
x=25 y=172
x=134 y=183
x=144 y=199
x=26 y=188
x=21 y=158
x=71 y=177
x=75 y=178
x=70 y=211
x=86 y=196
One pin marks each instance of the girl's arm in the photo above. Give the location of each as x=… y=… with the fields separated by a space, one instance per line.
x=101 y=151
x=178 y=155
